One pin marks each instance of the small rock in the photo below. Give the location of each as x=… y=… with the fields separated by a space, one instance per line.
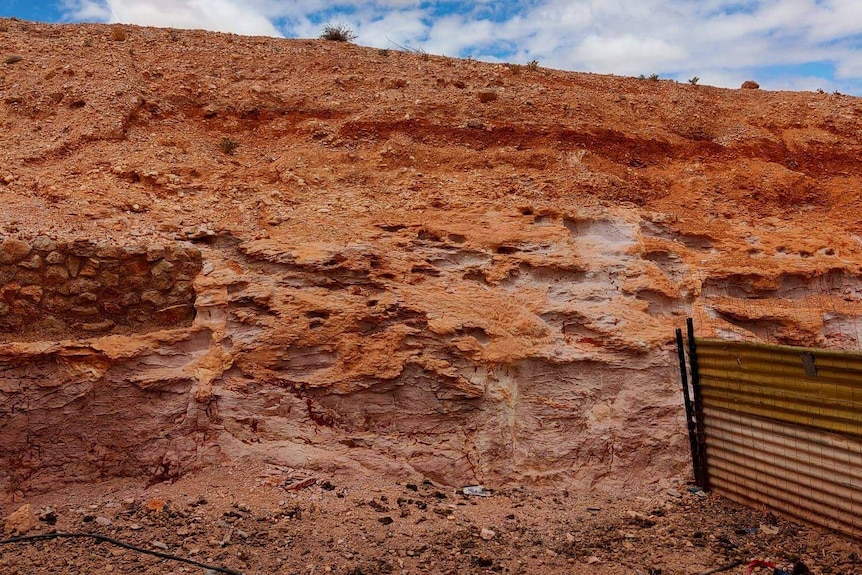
x=487 y=95
x=13 y=251
x=155 y=505
x=155 y=253
x=103 y=521
x=476 y=490
x=44 y=244
x=162 y=268
x=159 y=545
x=21 y=521
x=202 y=231
x=487 y=534
x=48 y=516
x=592 y=559
x=135 y=527
x=226 y=539
x=386 y=520
x=55 y=258
x=750 y=85
x=475 y=124
x=33 y=263
x=32 y=292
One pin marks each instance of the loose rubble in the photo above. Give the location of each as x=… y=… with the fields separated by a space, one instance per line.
x=236 y=518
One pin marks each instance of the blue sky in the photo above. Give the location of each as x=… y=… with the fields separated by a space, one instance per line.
x=783 y=44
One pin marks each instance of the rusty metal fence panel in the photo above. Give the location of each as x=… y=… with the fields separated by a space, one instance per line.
x=782 y=428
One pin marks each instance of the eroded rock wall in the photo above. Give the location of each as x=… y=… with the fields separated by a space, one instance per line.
x=526 y=346
x=447 y=353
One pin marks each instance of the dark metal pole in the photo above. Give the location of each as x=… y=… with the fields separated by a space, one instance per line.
x=698 y=405
x=689 y=413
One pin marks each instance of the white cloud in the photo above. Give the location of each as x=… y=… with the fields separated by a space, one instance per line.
x=627 y=54
x=456 y=34
x=850 y=67
x=219 y=15
x=86 y=10
x=724 y=40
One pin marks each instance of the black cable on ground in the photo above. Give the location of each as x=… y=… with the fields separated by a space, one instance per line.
x=727 y=567
x=118 y=543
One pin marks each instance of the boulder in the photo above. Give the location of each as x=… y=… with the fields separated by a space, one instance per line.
x=20 y=521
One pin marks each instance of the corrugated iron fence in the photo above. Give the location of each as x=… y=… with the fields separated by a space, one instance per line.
x=777 y=426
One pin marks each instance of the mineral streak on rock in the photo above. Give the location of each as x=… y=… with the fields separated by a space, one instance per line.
x=389 y=274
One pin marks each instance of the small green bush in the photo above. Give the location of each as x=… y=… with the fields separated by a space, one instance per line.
x=228 y=146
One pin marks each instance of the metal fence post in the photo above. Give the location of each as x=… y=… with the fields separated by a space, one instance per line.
x=698 y=406
x=689 y=410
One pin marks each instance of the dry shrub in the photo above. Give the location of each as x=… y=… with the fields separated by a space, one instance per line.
x=118 y=34
x=338 y=33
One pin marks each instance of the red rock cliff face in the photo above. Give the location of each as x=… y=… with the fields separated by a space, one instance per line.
x=392 y=271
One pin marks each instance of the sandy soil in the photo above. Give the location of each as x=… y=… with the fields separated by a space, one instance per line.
x=257 y=521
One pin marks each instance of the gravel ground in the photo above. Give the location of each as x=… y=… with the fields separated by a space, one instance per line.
x=276 y=520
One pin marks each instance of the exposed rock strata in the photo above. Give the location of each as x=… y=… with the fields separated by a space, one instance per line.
x=389 y=274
